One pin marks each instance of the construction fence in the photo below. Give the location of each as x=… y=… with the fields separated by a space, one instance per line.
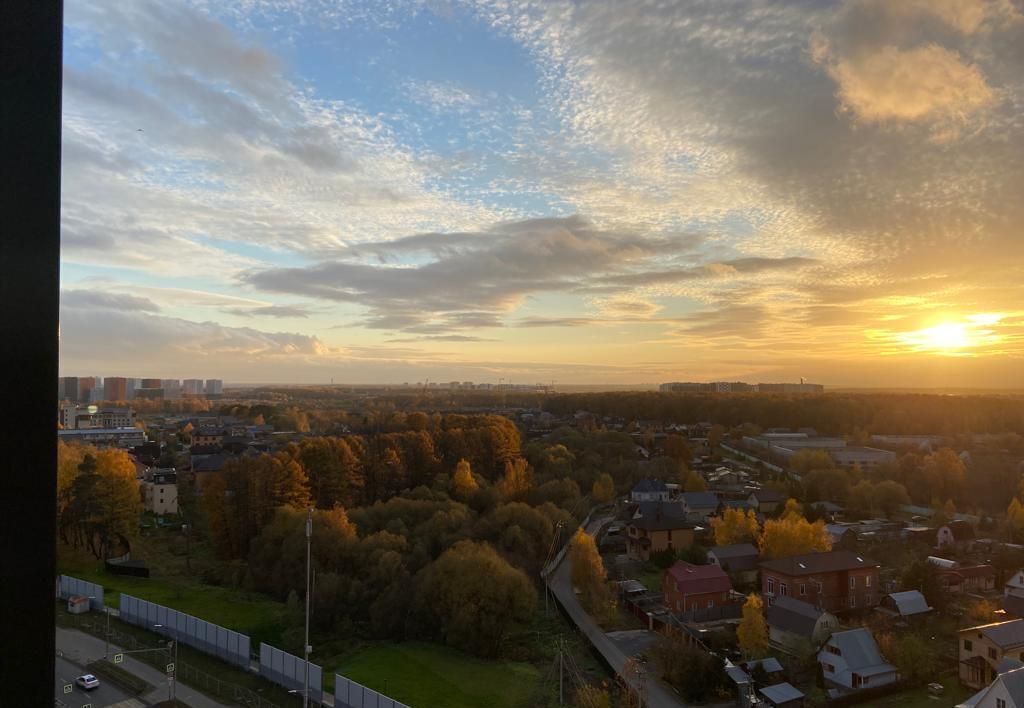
x=289 y=671
x=209 y=638
x=69 y=587
x=349 y=694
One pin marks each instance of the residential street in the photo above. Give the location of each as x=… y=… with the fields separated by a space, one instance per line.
x=83 y=648
x=106 y=695
x=658 y=695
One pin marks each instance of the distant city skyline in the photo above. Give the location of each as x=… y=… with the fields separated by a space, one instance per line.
x=590 y=192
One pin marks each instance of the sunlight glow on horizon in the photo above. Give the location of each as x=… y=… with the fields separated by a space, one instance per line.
x=951 y=337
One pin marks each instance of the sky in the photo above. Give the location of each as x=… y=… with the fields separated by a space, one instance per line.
x=589 y=191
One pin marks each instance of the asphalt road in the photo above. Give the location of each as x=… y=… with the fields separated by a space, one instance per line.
x=657 y=694
x=105 y=695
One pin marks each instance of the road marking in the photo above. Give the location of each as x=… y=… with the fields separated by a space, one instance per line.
x=68 y=688
x=118 y=658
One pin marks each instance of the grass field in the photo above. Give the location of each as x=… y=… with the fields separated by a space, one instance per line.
x=953 y=694
x=250 y=613
x=431 y=676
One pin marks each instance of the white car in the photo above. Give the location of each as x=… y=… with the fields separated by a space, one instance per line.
x=88 y=681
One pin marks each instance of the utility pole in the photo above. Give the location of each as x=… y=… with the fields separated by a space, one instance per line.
x=561 y=673
x=306 y=647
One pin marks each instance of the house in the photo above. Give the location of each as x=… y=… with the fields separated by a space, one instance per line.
x=1005 y=691
x=739 y=560
x=827 y=509
x=795 y=626
x=843 y=536
x=851 y=660
x=910 y=603
x=782 y=694
x=1015 y=585
x=970 y=578
x=699 y=505
x=649 y=490
x=955 y=533
x=767 y=501
x=657 y=526
x=689 y=587
x=160 y=493
x=835 y=581
x=981 y=649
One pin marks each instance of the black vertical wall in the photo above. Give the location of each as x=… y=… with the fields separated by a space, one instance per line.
x=30 y=131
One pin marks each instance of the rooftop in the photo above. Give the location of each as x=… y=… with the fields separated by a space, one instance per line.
x=795 y=616
x=1008 y=635
x=781 y=693
x=811 y=563
x=699 y=578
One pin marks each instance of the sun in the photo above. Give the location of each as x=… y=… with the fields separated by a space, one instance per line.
x=948 y=336
x=955 y=338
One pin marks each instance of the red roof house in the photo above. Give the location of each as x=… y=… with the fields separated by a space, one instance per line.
x=689 y=587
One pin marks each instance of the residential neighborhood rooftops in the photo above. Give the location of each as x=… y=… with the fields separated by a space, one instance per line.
x=736 y=550
x=792 y=615
x=1010 y=683
x=738 y=558
x=650 y=485
x=768 y=496
x=703 y=500
x=812 y=563
x=771 y=665
x=699 y=578
x=658 y=516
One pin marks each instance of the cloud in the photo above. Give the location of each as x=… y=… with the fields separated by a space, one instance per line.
x=440 y=95
x=96 y=300
x=928 y=83
x=280 y=311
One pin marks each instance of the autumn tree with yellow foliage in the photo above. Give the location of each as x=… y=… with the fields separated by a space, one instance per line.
x=518 y=480
x=752 y=632
x=793 y=535
x=464 y=484
x=735 y=526
x=589 y=576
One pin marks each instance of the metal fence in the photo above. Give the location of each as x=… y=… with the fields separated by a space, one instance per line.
x=287 y=670
x=209 y=638
x=349 y=694
x=68 y=586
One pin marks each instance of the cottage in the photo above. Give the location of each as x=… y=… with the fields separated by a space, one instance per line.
x=843 y=536
x=1005 y=691
x=955 y=533
x=797 y=627
x=835 y=581
x=699 y=505
x=851 y=660
x=690 y=587
x=910 y=603
x=649 y=490
x=739 y=560
x=766 y=501
x=657 y=526
x=982 y=648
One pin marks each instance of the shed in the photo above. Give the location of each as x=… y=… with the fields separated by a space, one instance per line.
x=78 y=604
x=905 y=604
x=783 y=694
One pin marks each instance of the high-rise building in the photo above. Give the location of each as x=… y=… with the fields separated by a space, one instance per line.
x=192 y=387
x=172 y=388
x=86 y=384
x=115 y=388
x=68 y=389
x=130 y=386
x=214 y=387
x=151 y=383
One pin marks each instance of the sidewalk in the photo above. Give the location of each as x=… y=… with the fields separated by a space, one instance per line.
x=84 y=648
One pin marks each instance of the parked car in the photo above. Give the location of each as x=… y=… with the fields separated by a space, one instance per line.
x=88 y=681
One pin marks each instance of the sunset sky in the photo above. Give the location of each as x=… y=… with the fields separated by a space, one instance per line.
x=535 y=190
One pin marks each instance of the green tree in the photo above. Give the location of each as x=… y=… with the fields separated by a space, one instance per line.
x=806 y=461
x=604 y=489
x=889 y=496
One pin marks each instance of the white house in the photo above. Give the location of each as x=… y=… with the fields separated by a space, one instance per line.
x=648 y=490
x=851 y=660
x=1015 y=585
x=1006 y=691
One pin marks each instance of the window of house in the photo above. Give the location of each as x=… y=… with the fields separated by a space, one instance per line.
x=803 y=590
x=711 y=603
x=771 y=584
x=853 y=582
x=833 y=649
x=1000 y=703
x=968 y=645
x=818 y=584
x=867 y=581
x=853 y=600
x=782 y=589
x=992 y=654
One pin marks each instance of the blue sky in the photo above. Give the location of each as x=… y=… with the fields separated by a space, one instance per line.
x=592 y=191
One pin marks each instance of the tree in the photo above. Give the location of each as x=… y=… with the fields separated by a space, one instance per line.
x=589 y=576
x=589 y=696
x=678 y=449
x=924 y=577
x=806 y=461
x=915 y=657
x=889 y=496
x=793 y=535
x=826 y=485
x=945 y=474
x=473 y=599
x=735 y=526
x=861 y=499
x=603 y=490
x=981 y=611
x=1015 y=520
x=752 y=632
x=698 y=675
x=101 y=505
x=518 y=480
x=693 y=482
x=464 y=485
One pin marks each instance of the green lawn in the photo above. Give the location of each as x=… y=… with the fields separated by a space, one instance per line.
x=432 y=676
x=249 y=613
x=919 y=697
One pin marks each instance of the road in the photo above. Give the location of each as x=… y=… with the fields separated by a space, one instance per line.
x=105 y=695
x=658 y=695
x=83 y=648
